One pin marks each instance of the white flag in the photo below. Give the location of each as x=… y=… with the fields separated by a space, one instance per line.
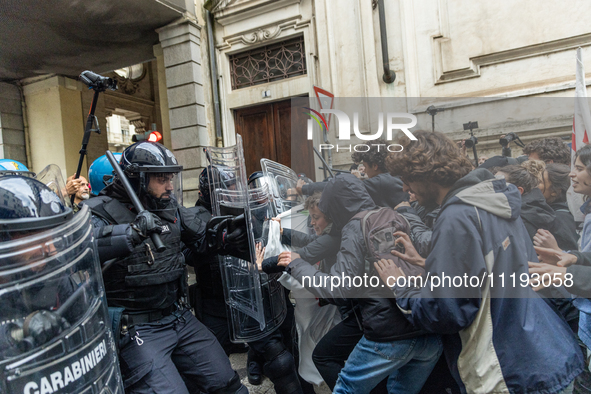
x=581 y=127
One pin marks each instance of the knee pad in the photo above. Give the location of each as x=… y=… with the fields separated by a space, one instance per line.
x=273 y=348
x=232 y=387
x=281 y=365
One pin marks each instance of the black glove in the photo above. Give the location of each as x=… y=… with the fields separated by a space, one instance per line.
x=235 y=241
x=146 y=223
x=228 y=235
x=43 y=326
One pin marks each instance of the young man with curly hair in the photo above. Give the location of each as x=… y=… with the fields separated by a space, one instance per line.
x=497 y=337
x=549 y=150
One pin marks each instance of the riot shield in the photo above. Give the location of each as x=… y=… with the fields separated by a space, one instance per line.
x=51 y=176
x=281 y=180
x=55 y=273
x=251 y=296
x=243 y=328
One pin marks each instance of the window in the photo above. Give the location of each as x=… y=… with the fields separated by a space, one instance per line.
x=270 y=63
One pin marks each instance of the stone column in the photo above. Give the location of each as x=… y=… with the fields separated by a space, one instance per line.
x=181 y=48
x=56 y=123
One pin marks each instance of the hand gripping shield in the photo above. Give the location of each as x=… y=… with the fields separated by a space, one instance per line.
x=256 y=304
x=55 y=275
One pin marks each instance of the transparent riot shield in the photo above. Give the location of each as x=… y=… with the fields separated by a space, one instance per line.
x=244 y=328
x=247 y=292
x=51 y=176
x=282 y=183
x=55 y=274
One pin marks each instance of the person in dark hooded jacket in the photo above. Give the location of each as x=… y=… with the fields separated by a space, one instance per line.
x=496 y=338
x=406 y=354
x=535 y=211
x=384 y=189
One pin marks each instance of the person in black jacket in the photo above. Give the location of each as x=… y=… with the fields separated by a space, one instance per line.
x=406 y=354
x=535 y=211
x=384 y=189
x=554 y=185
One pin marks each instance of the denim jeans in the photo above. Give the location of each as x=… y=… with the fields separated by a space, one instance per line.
x=407 y=363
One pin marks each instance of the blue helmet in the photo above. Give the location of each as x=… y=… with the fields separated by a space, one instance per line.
x=100 y=173
x=13 y=167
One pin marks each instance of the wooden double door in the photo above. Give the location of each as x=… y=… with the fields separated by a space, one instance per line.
x=272 y=131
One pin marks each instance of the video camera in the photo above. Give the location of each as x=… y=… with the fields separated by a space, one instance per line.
x=506 y=140
x=97 y=82
x=470 y=142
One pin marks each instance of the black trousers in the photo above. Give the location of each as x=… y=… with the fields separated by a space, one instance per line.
x=171 y=352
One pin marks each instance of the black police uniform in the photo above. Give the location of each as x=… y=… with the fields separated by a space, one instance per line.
x=270 y=351
x=164 y=348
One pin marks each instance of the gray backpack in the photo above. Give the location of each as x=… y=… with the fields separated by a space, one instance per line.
x=378 y=227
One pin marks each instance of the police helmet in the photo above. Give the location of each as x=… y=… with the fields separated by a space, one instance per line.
x=100 y=173
x=13 y=167
x=146 y=161
x=26 y=204
x=256 y=180
x=214 y=177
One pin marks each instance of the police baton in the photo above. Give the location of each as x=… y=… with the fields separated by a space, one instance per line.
x=134 y=200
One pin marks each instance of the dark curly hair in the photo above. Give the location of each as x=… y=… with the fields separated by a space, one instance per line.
x=372 y=156
x=520 y=177
x=432 y=158
x=549 y=149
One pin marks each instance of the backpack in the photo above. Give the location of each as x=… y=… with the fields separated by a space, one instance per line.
x=378 y=227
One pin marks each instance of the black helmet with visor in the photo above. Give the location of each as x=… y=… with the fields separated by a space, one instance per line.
x=154 y=173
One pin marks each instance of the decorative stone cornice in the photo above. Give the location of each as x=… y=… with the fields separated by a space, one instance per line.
x=263 y=33
x=231 y=11
x=490 y=59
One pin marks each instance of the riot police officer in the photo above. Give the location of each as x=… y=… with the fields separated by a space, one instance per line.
x=269 y=352
x=164 y=348
x=51 y=294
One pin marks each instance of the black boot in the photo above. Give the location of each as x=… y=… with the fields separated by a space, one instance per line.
x=254 y=371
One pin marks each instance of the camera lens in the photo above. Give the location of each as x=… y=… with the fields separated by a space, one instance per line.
x=469 y=143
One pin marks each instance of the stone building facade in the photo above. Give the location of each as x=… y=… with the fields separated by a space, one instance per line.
x=510 y=65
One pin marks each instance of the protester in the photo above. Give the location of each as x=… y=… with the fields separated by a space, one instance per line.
x=334 y=348
x=559 y=264
x=498 y=338
x=384 y=189
x=549 y=150
x=535 y=212
x=79 y=188
x=390 y=346
x=554 y=185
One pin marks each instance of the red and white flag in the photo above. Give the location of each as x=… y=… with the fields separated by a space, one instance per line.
x=581 y=130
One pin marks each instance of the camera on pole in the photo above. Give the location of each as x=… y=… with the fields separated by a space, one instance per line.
x=98 y=83
x=472 y=141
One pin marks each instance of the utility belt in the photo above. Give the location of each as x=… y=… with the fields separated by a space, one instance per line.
x=131 y=319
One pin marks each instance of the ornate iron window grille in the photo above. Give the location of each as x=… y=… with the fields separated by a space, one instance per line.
x=285 y=59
